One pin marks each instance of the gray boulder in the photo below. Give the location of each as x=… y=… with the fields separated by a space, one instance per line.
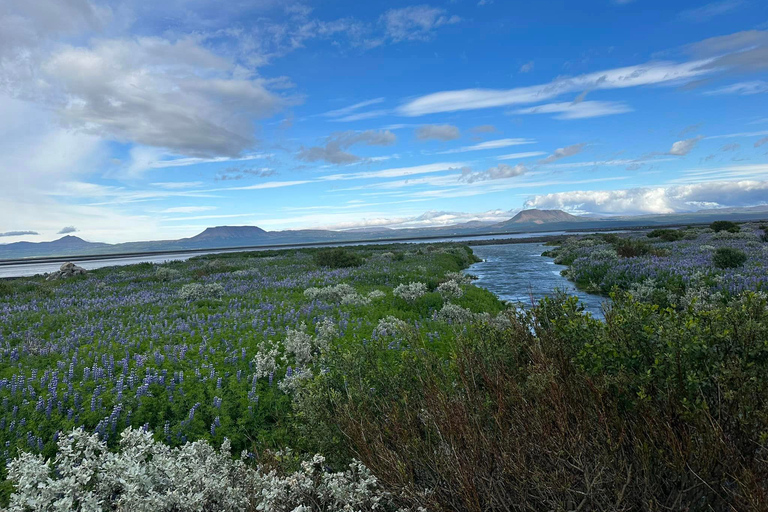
x=66 y=270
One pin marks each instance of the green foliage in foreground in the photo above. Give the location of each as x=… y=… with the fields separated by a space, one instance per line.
x=554 y=410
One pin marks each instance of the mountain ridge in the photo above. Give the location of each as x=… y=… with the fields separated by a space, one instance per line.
x=218 y=237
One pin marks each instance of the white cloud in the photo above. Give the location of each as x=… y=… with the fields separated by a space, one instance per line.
x=188 y=209
x=348 y=110
x=527 y=67
x=580 y=110
x=633 y=76
x=173 y=185
x=656 y=200
x=499 y=172
x=742 y=88
x=396 y=172
x=490 y=144
x=334 y=152
x=175 y=95
x=745 y=51
x=683 y=147
x=415 y=23
x=515 y=156
x=442 y=132
x=741 y=134
x=560 y=153
x=710 y=10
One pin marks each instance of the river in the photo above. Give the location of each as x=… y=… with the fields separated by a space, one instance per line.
x=31 y=268
x=519 y=273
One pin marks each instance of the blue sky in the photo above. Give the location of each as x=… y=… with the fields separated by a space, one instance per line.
x=135 y=120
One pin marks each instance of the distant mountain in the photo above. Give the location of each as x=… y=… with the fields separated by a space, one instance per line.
x=541 y=217
x=64 y=246
x=226 y=234
x=526 y=221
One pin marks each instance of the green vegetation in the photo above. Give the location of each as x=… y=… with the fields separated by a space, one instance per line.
x=338 y=258
x=728 y=257
x=451 y=399
x=668 y=235
x=724 y=225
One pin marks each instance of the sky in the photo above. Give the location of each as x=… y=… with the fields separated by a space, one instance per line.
x=134 y=120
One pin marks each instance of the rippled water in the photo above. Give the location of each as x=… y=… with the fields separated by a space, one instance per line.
x=519 y=273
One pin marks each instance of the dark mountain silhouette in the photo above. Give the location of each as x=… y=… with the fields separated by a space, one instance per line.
x=230 y=234
x=535 y=216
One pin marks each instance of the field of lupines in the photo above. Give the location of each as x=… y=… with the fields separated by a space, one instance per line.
x=207 y=349
x=675 y=263
x=392 y=383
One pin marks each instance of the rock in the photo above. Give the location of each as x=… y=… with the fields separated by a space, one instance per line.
x=66 y=270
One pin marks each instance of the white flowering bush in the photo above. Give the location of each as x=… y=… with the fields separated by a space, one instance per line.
x=146 y=476
x=166 y=274
x=265 y=361
x=450 y=290
x=300 y=344
x=376 y=295
x=453 y=314
x=459 y=277
x=341 y=293
x=198 y=291
x=410 y=292
x=294 y=380
x=149 y=476
x=325 y=332
x=390 y=327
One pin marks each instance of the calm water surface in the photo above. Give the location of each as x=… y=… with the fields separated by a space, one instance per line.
x=519 y=273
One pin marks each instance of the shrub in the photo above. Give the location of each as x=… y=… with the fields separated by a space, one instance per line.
x=410 y=292
x=728 y=257
x=166 y=274
x=668 y=235
x=149 y=476
x=199 y=291
x=558 y=411
x=724 y=225
x=338 y=258
x=631 y=248
x=5 y=288
x=450 y=290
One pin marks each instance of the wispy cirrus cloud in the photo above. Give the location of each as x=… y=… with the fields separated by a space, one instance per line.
x=741 y=88
x=580 y=110
x=18 y=233
x=415 y=23
x=499 y=172
x=711 y=10
x=490 y=144
x=652 y=73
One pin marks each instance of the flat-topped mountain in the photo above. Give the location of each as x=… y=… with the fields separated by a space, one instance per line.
x=535 y=216
x=231 y=233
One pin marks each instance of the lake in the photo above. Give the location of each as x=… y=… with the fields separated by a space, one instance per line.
x=519 y=273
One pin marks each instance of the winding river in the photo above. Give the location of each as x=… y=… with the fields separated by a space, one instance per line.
x=519 y=273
